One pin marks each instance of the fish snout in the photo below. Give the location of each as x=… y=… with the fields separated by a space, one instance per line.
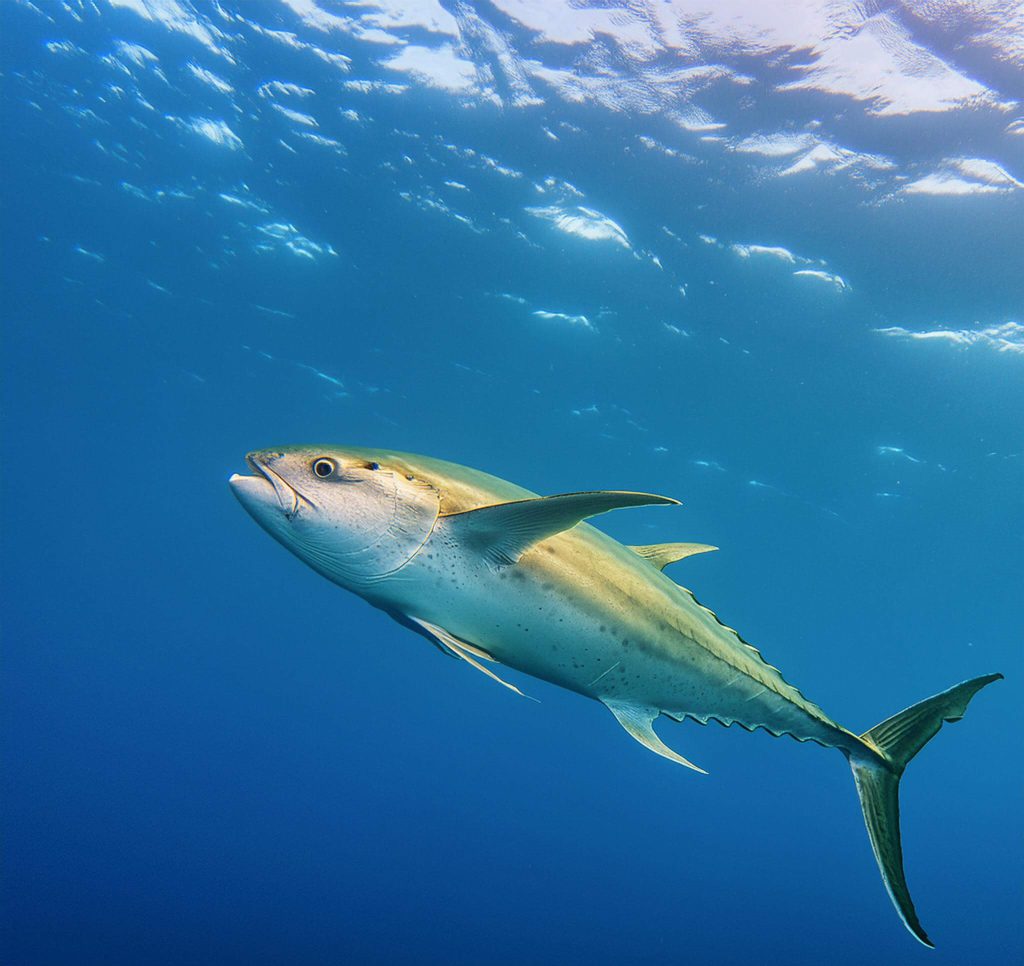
x=262 y=463
x=261 y=459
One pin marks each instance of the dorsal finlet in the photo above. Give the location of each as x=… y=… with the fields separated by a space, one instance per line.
x=662 y=554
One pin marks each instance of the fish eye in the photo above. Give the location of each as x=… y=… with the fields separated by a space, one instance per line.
x=373 y=466
x=323 y=467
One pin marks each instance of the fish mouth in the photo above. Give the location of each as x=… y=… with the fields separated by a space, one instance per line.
x=289 y=499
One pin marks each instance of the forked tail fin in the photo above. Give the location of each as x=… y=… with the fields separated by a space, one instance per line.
x=896 y=740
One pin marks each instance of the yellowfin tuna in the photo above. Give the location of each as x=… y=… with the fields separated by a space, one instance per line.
x=496 y=575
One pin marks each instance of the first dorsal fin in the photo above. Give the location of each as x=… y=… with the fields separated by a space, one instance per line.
x=663 y=554
x=505 y=531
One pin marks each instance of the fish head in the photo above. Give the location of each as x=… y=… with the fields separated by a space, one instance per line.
x=354 y=516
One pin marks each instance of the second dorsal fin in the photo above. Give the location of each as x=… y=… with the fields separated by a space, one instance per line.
x=662 y=554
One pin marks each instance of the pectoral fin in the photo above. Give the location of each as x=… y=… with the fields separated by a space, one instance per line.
x=505 y=531
x=663 y=554
x=639 y=722
x=467 y=652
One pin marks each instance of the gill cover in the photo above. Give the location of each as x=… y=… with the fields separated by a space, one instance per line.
x=378 y=527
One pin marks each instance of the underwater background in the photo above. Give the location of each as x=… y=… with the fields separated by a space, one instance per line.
x=764 y=258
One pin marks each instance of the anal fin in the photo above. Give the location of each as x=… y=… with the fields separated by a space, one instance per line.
x=467 y=652
x=639 y=723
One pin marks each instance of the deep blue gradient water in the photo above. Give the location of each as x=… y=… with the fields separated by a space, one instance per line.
x=767 y=262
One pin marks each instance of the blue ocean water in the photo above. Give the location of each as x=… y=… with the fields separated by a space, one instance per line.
x=762 y=258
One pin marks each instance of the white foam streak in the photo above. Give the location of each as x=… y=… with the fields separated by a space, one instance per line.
x=156 y=194
x=652 y=144
x=323 y=142
x=429 y=15
x=583 y=223
x=563 y=22
x=215 y=131
x=498 y=168
x=695 y=119
x=1006 y=338
x=785 y=256
x=209 y=78
x=772 y=251
x=279 y=88
x=85 y=253
x=880 y=63
x=897 y=451
x=135 y=53
x=578 y=320
x=439 y=67
x=775 y=145
x=431 y=203
x=243 y=200
x=834 y=280
x=964 y=176
x=282 y=234
x=63 y=47
x=173 y=16
x=314 y=16
x=297 y=116
x=289 y=39
x=812 y=154
x=374 y=87
x=986 y=172
x=947 y=183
